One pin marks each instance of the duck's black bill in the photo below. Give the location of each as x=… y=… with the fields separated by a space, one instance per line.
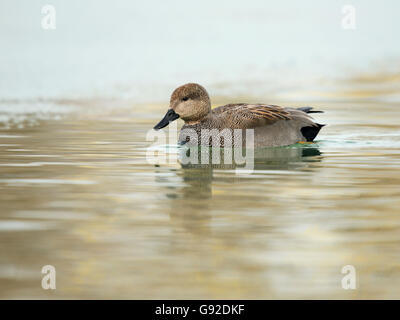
x=169 y=117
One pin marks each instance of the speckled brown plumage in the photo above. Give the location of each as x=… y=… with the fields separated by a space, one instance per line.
x=248 y=116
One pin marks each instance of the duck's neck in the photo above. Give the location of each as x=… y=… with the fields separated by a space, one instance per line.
x=197 y=121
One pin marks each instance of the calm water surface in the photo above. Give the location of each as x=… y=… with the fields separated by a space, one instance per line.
x=78 y=193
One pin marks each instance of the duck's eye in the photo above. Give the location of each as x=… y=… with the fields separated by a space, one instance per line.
x=185 y=98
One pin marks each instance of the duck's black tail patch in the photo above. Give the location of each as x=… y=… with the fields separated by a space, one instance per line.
x=309 y=110
x=311 y=132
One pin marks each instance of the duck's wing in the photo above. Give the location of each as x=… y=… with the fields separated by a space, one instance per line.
x=251 y=115
x=226 y=107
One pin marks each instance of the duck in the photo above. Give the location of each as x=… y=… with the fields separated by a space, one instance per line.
x=271 y=125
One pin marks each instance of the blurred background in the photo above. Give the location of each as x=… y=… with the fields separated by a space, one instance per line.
x=131 y=49
x=76 y=192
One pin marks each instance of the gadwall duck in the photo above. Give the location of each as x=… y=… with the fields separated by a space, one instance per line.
x=273 y=125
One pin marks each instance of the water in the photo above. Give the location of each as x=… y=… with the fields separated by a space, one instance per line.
x=76 y=191
x=78 y=194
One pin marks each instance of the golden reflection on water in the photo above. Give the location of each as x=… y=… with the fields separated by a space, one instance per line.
x=78 y=194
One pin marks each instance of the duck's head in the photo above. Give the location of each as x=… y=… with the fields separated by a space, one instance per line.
x=189 y=102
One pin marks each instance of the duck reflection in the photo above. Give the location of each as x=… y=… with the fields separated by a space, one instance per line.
x=277 y=158
x=192 y=203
